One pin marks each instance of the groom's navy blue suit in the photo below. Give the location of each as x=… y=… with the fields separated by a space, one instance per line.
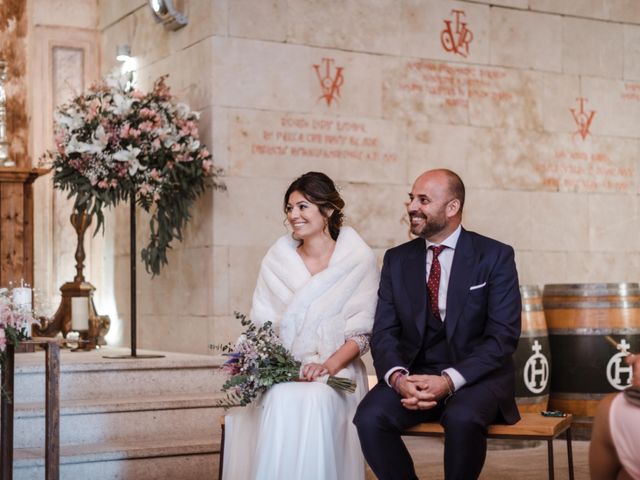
x=477 y=338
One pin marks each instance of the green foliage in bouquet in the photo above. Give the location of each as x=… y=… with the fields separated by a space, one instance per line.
x=115 y=143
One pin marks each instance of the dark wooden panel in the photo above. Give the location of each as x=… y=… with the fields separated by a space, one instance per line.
x=16 y=224
x=11 y=233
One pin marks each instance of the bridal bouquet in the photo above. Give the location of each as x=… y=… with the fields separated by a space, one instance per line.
x=257 y=361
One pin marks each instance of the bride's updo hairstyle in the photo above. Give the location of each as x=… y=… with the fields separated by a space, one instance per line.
x=320 y=190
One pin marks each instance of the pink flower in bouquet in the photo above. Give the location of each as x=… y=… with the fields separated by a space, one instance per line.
x=145 y=188
x=97 y=135
x=155 y=174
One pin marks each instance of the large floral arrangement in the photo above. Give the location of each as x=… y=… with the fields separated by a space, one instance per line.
x=258 y=360
x=14 y=323
x=116 y=143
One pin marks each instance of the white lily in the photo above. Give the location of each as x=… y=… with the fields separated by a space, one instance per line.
x=130 y=155
x=193 y=145
x=169 y=141
x=122 y=104
x=70 y=122
x=183 y=110
x=82 y=147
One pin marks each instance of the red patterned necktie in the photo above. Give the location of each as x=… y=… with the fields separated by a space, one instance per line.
x=433 y=283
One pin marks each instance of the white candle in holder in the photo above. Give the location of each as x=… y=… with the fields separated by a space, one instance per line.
x=22 y=298
x=79 y=313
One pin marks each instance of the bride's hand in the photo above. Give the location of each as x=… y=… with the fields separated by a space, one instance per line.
x=311 y=371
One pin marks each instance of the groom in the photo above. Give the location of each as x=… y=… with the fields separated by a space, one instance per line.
x=446 y=325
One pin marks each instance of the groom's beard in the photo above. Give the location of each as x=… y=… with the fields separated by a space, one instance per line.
x=429 y=227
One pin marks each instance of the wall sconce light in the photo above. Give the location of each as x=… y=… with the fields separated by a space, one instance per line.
x=123 y=53
x=167 y=14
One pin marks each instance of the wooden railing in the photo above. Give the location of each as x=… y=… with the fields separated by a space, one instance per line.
x=52 y=411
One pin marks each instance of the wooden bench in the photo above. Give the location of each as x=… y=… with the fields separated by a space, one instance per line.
x=532 y=426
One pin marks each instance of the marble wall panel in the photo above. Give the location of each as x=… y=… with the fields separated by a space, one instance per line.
x=331 y=24
x=591 y=47
x=206 y=18
x=601 y=267
x=584 y=8
x=455 y=147
x=219 y=282
x=624 y=11
x=526 y=40
x=282 y=77
x=268 y=20
x=113 y=11
x=195 y=281
x=273 y=144
x=148 y=40
x=379 y=215
x=507 y=159
x=426 y=35
x=164 y=294
x=189 y=75
x=244 y=266
x=66 y=13
x=560 y=222
x=569 y=163
x=559 y=97
x=223 y=329
x=120 y=332
x=617 y=106
x=173 y=333
x=426 y=91
x=505 y=98
x=541 y=267
x=503 y=215
x=250 y=212
x=214 y=131
x=507 y=3
x=632 y=53
x=199 y=230
x=614 y=223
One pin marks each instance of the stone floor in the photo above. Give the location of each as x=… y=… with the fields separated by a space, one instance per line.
x=514 y=463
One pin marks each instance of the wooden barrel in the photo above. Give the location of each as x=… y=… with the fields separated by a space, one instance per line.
x=532 y=357
x=586 y=366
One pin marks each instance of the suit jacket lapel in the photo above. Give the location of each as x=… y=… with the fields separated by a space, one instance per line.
x=415 y=278
x=459 y=281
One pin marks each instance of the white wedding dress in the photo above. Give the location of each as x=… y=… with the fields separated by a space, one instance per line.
x=301 y=430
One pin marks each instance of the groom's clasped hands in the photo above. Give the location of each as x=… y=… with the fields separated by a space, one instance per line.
x=422 y=392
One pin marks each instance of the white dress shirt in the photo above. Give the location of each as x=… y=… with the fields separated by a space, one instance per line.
x=446 y=260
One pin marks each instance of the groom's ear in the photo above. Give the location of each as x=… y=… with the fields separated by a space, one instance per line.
x=453 y=208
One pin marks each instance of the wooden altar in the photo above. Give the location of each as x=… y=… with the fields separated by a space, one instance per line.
x=16 y=223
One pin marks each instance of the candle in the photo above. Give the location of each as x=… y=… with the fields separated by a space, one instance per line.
x=79 y=313
x=22 y=298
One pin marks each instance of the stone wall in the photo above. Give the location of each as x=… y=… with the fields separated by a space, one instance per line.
x=533 y=102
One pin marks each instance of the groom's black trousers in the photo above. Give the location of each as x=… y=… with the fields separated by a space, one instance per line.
x=465 y=417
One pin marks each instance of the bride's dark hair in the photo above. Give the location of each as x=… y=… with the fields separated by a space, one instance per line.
x=320 y=190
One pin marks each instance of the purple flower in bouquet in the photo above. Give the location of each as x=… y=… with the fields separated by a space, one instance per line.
x=257 y=361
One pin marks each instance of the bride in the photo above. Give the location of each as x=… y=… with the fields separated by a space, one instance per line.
x=318 y=286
